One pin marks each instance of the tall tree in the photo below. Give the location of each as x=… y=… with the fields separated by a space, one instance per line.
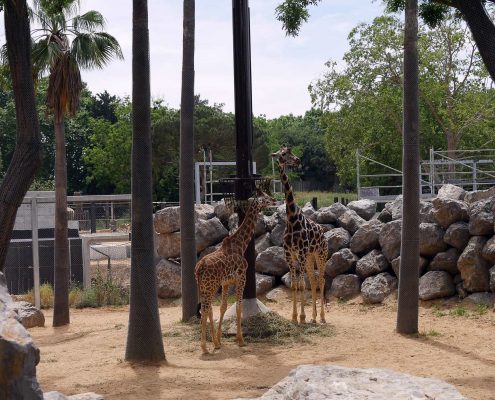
x=187 y=225
x=27 y=154
x=144 y=337
x=64 y=43
x=407 y=312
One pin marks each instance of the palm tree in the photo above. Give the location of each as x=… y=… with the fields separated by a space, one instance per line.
x=144 y=337
x=64 y=43
x=407 y=313
x=27 y=154
x=187 y=227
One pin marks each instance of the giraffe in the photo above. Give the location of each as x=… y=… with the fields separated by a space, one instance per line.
x=304 y=244
x=226 y=266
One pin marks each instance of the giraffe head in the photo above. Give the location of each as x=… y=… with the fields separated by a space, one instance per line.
x=285 y=157
x=264 y=200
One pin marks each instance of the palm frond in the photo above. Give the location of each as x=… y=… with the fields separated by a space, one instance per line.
x=45 y=53
x=88 y=22
x=95 y=50
x=4 y=58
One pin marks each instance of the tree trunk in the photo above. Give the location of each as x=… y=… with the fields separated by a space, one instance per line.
x=482 y=29
x=61 y=250
x=144 y=337
x=452 y=144
x=187 y=224
x=27 y=154
x=407 y=313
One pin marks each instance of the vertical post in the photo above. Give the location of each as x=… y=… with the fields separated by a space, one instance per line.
x=314 y=202
x=92 y=217
x=244 y=122
x=36 y=253
x=475 y=177
x=211 y=176
x=358 y=176
x=205 y=186
x=432 y=173
x=197 y=185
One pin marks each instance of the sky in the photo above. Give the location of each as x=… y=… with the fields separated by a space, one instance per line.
x=282 y=66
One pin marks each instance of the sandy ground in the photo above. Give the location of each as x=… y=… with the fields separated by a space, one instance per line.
x=88 y=354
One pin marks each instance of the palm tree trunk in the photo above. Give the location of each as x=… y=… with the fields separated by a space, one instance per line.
x=61 y=251
x=187 y=225
x=27 y=154
x=407 y=313
x=144 y=337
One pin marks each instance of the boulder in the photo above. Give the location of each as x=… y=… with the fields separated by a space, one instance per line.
x=384 y=216
x=488 y=251
x=457 y=235
x=365 y=208
x=473 y=267
x=492 y=279
x=308 y=210
x=209 y=232
x=435 y=285
x=18 y=353
x=345 y=286
x=350 y=221
x=390 y=239
x=481 y=298
x=168 y=279
x=271 y=221
x=472 y=197
x=319 y=382
x=431 y=239
x=366 y=237
x=447 y=211
x=371 y=264
x=325 y=216
x=222 y=211
x=264 y=283
x=287 y=281
x=453 y=192
x=461 y=291
x=394 y=208
x=337 y=209
x=167 y=220
x=168 y=245
x=446 y=261
x=423 y=262
x=272 y=262
x=203 y=211
x=376 y=288
x=337 y=238
x=277 y=293
x=327 y=227
x=233 y=222
x=481 y=218
x=341 y=261
x=277 y=233
x=263 y=242
x=29 y=315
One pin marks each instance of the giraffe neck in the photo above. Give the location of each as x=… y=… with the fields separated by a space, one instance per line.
x=243 y=235
x=291 y=207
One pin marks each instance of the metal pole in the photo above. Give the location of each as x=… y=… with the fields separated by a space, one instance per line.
x=211 y=177
x=357 y=175
x=475 y=177
x=36 y=253
x=197 y=185
x=432 y=174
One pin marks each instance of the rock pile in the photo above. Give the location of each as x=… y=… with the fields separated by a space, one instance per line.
x=457 y=244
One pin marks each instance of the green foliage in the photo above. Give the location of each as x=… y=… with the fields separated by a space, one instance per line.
x=459 y=311
x=431 y=11
x=103 y=292
x=292 y=14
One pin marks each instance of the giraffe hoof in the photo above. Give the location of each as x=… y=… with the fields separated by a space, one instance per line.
x=313 y=321
x=302 y=320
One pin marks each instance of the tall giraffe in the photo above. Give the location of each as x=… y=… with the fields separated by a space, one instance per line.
x=226 y=266
x=304 y=244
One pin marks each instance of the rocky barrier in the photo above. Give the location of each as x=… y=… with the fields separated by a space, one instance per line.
x=457 y=246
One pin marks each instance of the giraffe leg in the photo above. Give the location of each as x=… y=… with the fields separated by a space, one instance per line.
x=302 y=289
x=321 y=277
x=239 y=292
x=212 y=326
x=312 y=279
x=205 y=307
x=294 y=283
x=223 y=308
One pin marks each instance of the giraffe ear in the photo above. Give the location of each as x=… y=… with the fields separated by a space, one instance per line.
x=274 y=155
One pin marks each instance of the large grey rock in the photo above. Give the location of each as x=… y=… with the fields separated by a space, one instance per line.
x=341 y=261
x=322 y=382
x=447 y=211
x=488 y=251
x=259 y=229
x=473 y=267
x=167 y=220
x=222 y=211
x=481 y=298
x=29 y=315
x=435 y=285
x=350 y=221
x=394 y=209
x=446 y=261
x=376 y=288
x=366 y=237
x=168 y=279
x=384 y=216
x=325 y=216
x=481 y=218
x=390 y=239
x=209 y=232
x=492 y=279
x=168 y=245
x=272 y=262
x=83 y=396
x=423 y=262
x=472 y=197
x=271 y=221
x=365 y=208
x=308 y=210
x=449 y=191
x=203 y=211
x=337 y=238
x=371 y=264
x=277 y=233
x=287 y=281
x=457 y=235
x=431 y=239
x=337 y=209
x=18 y=353
x=264 y=283
x=263 y=242
x=345 y=286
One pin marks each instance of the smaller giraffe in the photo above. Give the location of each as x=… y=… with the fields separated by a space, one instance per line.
x=226 y=266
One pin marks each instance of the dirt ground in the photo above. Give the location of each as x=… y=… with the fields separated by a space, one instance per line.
x=454 y=344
